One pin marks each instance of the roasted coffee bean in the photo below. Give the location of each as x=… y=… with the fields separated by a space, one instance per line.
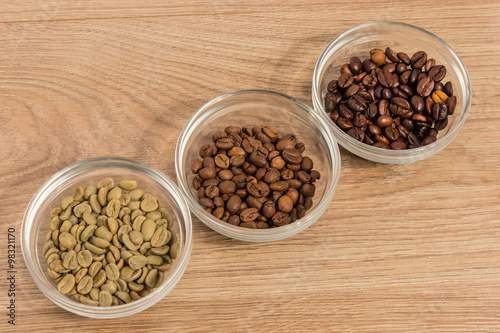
x=345 y=80
x=418 y=60
x=369 y=81
x=345 y=112
x=371 y=111
x=332 y=87
x=357 y=103
x=403 y=57
x=355 y=65
x=425 y=87
x=378 y=56
x=452 y=104
x=291 y=156
x=196 y=165
x=391 y=55
x=352 y=90
x=448 y=89
x=391 y=133
x=441 y=124
x=385 y=78
x=417 y=104
x=397 y=145
x=439 y=111
x=384 y=121
x=429 y=64
x=437 y=73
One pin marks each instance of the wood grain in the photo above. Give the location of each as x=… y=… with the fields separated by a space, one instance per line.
x=405 y=248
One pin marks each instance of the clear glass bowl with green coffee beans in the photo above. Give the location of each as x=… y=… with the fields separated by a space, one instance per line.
x=107 y=237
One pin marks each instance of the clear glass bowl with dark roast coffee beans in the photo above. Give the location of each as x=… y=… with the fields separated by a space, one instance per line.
x=391 y=100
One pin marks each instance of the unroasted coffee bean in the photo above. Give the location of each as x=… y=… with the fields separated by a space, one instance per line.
x=245 y=182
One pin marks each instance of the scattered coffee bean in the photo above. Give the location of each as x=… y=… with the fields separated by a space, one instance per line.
x=270 y=183
x=389 y=100
x=113 y=250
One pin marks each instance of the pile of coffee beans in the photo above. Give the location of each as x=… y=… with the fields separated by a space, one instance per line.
x=253 y=178
x=109 y=245
x=391 y=100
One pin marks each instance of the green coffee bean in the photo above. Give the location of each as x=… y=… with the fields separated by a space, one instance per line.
x=135 y=213
x=156 y=215
x=94 y=294
x=149 y=204
x=160 y=237
x=94 y=249
x=102 y=195
x=85 y=285
x=125 y=229
x=66 y=214
x=112 y=272
x=159 y=279
x=80 y=274
x=55 y=223
x=154 y=260
x=82 y=208
x=99 y=242
x=66 y=284
x=148 y=228
x=89 y=218
x=55 y=212
x=138 y=221
x=67 y=240
x=65 y=226
x=53 y=274
x=87 y=301
x=114 y=193
x=99 y=278
x=84 y=258
x=110 y=287
x=107 y=183
x=104 y=233
x=47 y=246
x=105 y=298
x=150 y=280
x=136 y=194
x=127 y=184
x=123 y=296
x=112 y=225
x=94 y=203
x=134 y=205
x=124 y=200
x=121 y=285
x=137 y=262
x=160 y=250
x=136 y=237
x=174 y=250
x=78 y=194
x=90 y=190
x=94 y=268
x=144 y=247
x=128 y=243
x=164 y=267
x=70 y=261
x=134 y=295
x=66 y=201
x=113 y=208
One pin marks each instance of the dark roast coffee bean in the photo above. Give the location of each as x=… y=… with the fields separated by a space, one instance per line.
x=259 y=189
x=385 y=78
x=355 y=65
x=345 y=112
x=345 y=80
x=357 y=103
x=448 y=89
x=417 y=104
x=452 y=104
x=403 y=57
x=227 y=187
x=397 y=145
x=249 y=214
x=332 y=87
x=369 y=65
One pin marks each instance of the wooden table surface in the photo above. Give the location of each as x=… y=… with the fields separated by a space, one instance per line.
x=401 y=248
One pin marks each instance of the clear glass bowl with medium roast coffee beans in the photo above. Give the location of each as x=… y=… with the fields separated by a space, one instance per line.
x=257 y=165
x=391 y=92
x=107 y=237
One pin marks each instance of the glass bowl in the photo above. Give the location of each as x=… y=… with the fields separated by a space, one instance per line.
x=251 y=108
x=400 y=37
x=36 y=223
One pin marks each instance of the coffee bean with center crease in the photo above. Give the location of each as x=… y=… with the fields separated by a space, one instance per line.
x=291 y=156
x=249 y=214
x=357 y=103
x=345 y=80
x=437 y=73
x=425 y=87
x=385 y=78
x=418 y=60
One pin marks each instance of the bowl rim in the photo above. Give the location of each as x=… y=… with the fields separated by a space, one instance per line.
x=119 y=310
x=258 y=235
x=389 y=155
